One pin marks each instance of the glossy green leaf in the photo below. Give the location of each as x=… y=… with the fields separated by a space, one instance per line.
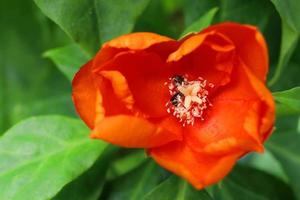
x=77 y=18
x=203 y=22
x=298 y=125
x=285 y=147
x=89 y=185
x=248 y=183
x=68 y=59
x=289 y=78
x=127 y=162
x=161 y=17
x=91 y=22
x=266 y=162
x=243 y=12
x=118 y=17
x=176 y=188
x=135 y=184
x=288 y=101
x=61 y=104
x=194 y=9
x=289 y=41
x=42 y=154
x=26 y=77
x=289 y=12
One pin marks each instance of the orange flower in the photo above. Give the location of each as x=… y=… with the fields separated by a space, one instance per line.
x=197 y=104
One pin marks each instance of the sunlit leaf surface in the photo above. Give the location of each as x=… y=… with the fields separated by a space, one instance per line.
x=42 y=154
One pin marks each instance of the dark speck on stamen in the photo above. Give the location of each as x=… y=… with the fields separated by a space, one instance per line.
x=175 y=98
x=178 y=80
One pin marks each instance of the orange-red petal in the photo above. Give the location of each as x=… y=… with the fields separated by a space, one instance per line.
x=86 y=96
x=169 y=123
x=213 y=39
x=235 y=121
x=223 y=130
x=137 y=41
x=248 y=86
x=119 y=87
x=145 y=74
x=250 y=45
x=208 y=55
x=134 y=132
x=199 y=169
x=133 y=42
x=267 y=114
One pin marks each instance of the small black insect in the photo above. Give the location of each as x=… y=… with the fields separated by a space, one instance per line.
x=178 y=80
x=175 y=98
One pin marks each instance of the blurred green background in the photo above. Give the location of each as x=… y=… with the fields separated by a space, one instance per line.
x=44 y=42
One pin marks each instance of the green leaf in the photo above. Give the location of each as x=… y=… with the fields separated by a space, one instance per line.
x=42 y=154
x=194 y=9
x=171 y=6
x=89 y=185
x=118 y=17
x=161 y=17
x=26 y=77
x=248 y=183
x=243 y=12
x=68 y=59
x=201 y=23
x=174 y=188
x=285 y=147
x=290 y=77
x=61 y=105
x=135 y=184
x=288 y=101
x=91 y=22
x=77 y=18
x=289 y=12
x=128 y=162
x=289 y=41
x=298 y=125
x=266 y=162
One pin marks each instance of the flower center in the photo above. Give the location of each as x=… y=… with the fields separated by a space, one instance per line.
x=188 y=99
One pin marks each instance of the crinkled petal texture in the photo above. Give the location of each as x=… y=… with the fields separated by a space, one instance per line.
x=120 y=92
x=121 y=95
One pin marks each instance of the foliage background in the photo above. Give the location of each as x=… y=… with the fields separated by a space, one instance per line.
x=45 y=152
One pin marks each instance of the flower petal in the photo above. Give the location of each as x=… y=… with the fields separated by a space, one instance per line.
x=223 y=130
x=215 y=40
x=119 y=87
x=137 y=41
x=169 y=123
x=239 y=118
x=145 y=74
x=150 y=42
x=250 y=45
x=199 y=169
x=208 y=55
x=268 y=112
x=134 y=132
x=248 y=86
x=86 y=96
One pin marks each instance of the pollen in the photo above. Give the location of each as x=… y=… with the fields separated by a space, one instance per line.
x=189 y=99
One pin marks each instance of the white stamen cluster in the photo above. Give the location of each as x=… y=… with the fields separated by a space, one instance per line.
x=189 y=99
